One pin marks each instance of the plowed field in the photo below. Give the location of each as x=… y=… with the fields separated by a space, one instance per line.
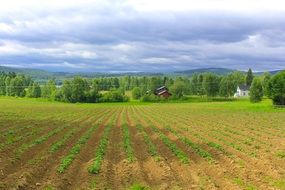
x=217 y=145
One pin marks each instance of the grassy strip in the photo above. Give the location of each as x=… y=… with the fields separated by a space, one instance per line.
x=57 y=145
x=128 y=143
x=67 y=160
x=100 y=152
x=18 y=152
x=151 y=147
x=195 y=147
x=172 y=146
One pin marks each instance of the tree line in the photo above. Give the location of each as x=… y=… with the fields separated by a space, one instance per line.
x=112 y=89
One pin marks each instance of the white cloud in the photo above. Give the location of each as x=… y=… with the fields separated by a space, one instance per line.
x=158 y=60
x=123 y=48
x=5 y=28
x=144 y=34
x=207 y=5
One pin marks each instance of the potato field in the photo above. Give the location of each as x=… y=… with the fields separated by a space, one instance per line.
x=210 y=145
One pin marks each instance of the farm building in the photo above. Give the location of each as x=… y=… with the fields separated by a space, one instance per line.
x=162 y=91
x=242 y=91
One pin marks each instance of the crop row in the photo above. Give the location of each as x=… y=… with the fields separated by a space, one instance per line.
x=150 y=145
x=100 y=152
x=194 y=146
x=172 y=146
x=128 y=143
x=180 y=154
x=210 y=133
x=68 y=159
x=19 y=151
x=221 y=125
x=102 y=147
x=12 y=138
x=190 y=131
x=12 y=135
x=59 y=144
x=201 y=152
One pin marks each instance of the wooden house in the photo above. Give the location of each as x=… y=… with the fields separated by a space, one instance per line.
x=163 y=92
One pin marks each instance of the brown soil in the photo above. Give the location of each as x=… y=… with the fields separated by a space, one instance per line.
x=37 y=168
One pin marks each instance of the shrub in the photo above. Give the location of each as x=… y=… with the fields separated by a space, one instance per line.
x=256 y=91
x=136 y=93
x=114 y=96
x=277 y=88
x=150 y=98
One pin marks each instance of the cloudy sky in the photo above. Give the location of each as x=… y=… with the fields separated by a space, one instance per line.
x=142 y=35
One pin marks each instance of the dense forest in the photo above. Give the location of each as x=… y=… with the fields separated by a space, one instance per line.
x=112 y=89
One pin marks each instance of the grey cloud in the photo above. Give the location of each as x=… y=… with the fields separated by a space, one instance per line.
x=119 y=38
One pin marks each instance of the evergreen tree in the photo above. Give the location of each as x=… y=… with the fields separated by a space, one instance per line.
x=249 y=77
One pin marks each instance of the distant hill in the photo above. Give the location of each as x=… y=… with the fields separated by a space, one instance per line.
x=42 y=76
x=219 y=71
x=34 y=73
x=38 y=75
x=271 y=72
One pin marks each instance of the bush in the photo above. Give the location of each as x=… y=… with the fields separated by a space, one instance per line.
x=256 y=91
x=150 y=98
x=136 y=93
x=277 y=88
x=114 y=96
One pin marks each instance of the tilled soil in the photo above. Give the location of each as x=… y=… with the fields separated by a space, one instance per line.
x=232 y=168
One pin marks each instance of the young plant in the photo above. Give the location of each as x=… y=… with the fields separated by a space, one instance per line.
x=151 y=147
x=67 y=160
x=57 y=145
x=128 y=143
x=100 y=152
x=172 y=146
x=19 y=151
x=195 y=147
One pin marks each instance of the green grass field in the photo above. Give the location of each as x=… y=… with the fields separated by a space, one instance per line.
x=134 y=145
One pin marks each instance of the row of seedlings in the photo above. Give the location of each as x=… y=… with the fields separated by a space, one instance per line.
x=95 y=167
x=75 y=150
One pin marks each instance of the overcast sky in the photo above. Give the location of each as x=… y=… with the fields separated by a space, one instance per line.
x=142 y=35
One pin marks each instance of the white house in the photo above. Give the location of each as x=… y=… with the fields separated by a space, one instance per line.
x=242 y=91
